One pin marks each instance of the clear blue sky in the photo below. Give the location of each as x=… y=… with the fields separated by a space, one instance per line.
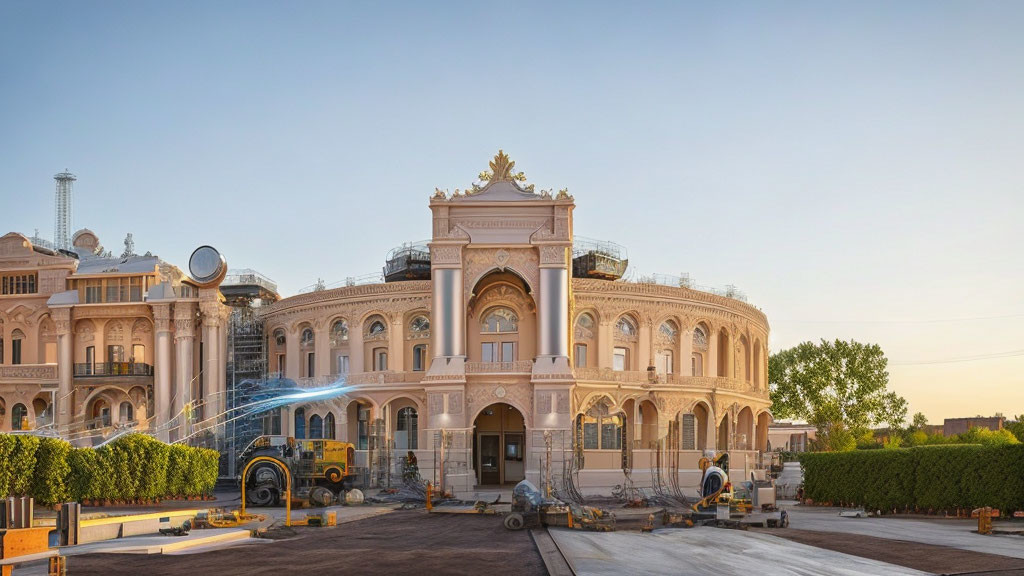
x=856 y=168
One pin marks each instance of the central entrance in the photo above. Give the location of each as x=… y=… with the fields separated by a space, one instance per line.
x=498 y=445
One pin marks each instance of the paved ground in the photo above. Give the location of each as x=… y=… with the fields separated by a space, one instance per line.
x=402 y=542
x=938 y=532
x=707 y=552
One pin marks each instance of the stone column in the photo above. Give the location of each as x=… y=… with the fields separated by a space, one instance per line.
x=323 y=350
x=605 y=340
x=355 y=347
x=685 y=352
x=645 y=345
x=63 y=410
x=711 y=362
x=162 y=369
x=292 y=354
x=448 y=311
x=396 y=343
x=213 y=356
x=184 y=338
x=553 y=311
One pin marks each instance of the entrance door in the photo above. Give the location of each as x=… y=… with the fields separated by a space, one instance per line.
x=499 y=452
x=489 y=455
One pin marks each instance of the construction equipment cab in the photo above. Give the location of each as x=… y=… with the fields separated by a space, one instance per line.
x=321 y=470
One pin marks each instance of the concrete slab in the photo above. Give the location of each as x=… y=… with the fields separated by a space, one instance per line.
x=940 y=532
x=707 y=552
x=157 y=544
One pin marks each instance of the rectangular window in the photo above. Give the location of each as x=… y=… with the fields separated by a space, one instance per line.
x=508 y=351
x=18 y=284
x=115 y=353
x=697 y=365
x=342 y=364
x=611 y=433
x=16 y=351
x=136 y=289
x=139 y=353
x=90 y=360
x=363 y=428
x=311 y=364
x=620 y=359
x=663 y=362
x=280 y=365
x=581 y=356
x=380 y=360
x=93 y=291
x=487 y=352
x=112 y=290
x=590 y=433
x=419 y=357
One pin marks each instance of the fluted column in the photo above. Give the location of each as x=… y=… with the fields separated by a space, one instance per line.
x=162 y=368
x=213 y=356
x=63 y=412
x=184 y=339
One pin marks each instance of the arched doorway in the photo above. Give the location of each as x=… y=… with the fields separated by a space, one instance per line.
x=499 y=443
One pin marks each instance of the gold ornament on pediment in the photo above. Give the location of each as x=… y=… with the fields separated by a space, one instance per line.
x=502 y=170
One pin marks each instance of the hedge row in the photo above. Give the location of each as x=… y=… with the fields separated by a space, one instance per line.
x=132 y=468
x=924 y=478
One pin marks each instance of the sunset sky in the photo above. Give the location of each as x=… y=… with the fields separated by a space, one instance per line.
x=857 y=169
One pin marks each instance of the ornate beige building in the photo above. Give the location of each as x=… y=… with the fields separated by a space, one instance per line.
x=505 y=354
x=92 y=343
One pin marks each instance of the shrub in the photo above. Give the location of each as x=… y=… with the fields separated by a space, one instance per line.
x=131 y=468
x=50 y=482
x=926 y=478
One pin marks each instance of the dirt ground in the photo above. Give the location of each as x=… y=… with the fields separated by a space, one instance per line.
x=925 y=557
x=403 y=542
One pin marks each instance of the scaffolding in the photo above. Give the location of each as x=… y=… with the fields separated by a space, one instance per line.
x=63 y=221
x=598 y=259
x=246 y=291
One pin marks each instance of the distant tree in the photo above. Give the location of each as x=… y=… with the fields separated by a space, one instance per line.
x=837 y=387
x=1017 y=427
x=918 y=422
x=985 y=436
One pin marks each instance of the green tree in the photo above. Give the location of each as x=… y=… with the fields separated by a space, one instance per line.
x=837 y=387
x=1017 y=427
x=918 y=422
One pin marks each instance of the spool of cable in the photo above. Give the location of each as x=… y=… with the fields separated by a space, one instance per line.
x=207 y=266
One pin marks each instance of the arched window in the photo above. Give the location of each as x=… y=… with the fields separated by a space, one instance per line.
x=600 y=429
x=419 y=357
x=584 y=327
x=700 y=348
x=376 y=328
x=17 y=338
x=700 y=339
x=300 y=422
x=307 y=338
x=419 y=326
x=127 y=412
x=329 y=431
x=668 y=331
x=407 y=429
x=625 y=328
x=499 y=320
x=339 y=332
x=316 y=426
x=19 y=418
x=279 y=337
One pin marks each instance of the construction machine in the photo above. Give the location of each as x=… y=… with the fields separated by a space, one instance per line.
x=320 y=470
x=723 y=502
x=530 y=509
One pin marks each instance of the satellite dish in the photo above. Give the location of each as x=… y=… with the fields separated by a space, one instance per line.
x=207 y=266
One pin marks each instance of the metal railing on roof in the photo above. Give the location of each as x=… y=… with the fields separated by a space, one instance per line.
x=248 y=277
x=684 y=281
x=375 y=278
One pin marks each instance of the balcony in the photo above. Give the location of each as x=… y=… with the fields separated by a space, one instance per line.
x=114 y=369
x=515 y=367
x=643 y=377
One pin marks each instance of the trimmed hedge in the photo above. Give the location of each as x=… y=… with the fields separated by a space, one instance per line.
x=924 y=478
x=133 y=468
